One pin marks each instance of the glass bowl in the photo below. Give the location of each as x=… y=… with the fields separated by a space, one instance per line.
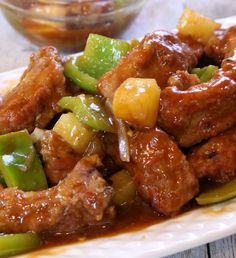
x=66 y=24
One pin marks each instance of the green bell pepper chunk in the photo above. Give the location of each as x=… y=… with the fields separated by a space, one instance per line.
x=198 y=71
x=19 y=163
x=81 y=79
x=218 y=194
x=14 y=244
x=101 y=55
x=206 y=73
x=89 y=110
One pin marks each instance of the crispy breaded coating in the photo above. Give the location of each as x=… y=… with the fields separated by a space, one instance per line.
x=222 y=44
x=163 y=176
x=216 y=159
x=33 y=102
x=157 y=56
x=80 y=200
x=58 y=156
x=202 y=111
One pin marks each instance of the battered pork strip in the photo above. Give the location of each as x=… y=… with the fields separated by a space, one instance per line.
x=81 y=199
x=216 y=159
x=33 y=102
x=222 y=44
x=202 y=111
x=157 y=56
x=163 y=176
x=58 y=156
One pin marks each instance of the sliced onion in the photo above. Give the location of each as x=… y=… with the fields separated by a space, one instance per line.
x=122 y=136
x=123 y=141
x=37 y=135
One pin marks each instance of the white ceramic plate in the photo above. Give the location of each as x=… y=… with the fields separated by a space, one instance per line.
x=174 y=235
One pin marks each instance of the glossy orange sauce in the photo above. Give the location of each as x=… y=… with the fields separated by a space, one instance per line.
x=129 y=219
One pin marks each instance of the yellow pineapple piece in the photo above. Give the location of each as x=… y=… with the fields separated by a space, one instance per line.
x=197 y=26
x=137 y=101
x=74 y=132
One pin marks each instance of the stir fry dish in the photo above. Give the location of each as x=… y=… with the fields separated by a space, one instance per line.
x=124 y=134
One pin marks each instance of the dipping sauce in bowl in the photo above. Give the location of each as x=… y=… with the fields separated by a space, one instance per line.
x=66 y=24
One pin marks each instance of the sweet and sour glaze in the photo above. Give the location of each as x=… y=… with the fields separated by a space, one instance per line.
x=164 y=177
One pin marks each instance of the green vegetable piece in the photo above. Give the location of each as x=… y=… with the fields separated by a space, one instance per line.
x=19 y=162
x=14 y=244
x=81 y=79
x=218 y=194
x=206 y=73
x=101 y=55
x=198 y=71
x=89 y=110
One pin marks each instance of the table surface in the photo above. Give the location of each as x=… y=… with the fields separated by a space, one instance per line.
x=157 y=14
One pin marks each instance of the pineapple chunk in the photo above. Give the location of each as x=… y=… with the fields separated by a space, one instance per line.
x=73 y=132
x=137 y=102
x=197 y=26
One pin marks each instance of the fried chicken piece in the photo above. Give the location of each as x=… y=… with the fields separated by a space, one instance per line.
x=157 y=56
x=59 y=158
x=81 y=199
x=33 y=102
x=216 y=159
x=163 y=176
x=222 y=45
x=202 y=111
